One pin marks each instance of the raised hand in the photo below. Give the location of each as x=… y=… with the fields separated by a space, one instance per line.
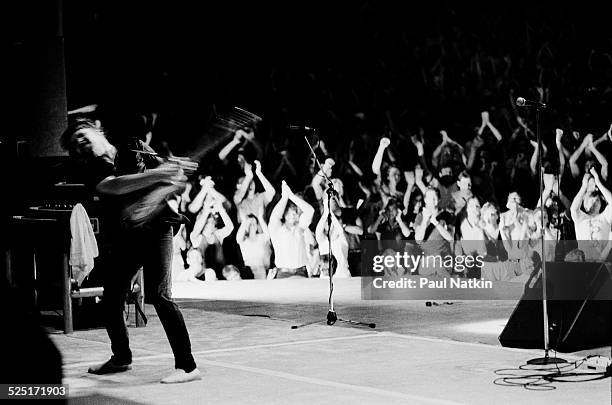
x=410 y=178
x=248 y=169
x=257 y=167
x=485 y=117
x=238 y=135
x=594 y=174
x=385 y=142
x=249 y=135
x=285 y=190
x=558 y=135
x=207 y=182
x=445 y=138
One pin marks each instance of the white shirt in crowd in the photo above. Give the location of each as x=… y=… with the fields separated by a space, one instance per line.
x=593 y=233
x=289 y=247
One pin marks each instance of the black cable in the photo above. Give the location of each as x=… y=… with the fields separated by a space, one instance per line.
x=540 y=378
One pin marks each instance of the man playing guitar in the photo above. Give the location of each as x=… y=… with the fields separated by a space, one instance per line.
x=119 y=175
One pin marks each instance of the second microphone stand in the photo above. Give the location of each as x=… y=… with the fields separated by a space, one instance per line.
x=332 y=317
x=546 y=359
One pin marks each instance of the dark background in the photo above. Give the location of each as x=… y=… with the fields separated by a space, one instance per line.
x=316 y=62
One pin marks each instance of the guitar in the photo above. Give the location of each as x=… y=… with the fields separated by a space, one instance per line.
x=147 y=206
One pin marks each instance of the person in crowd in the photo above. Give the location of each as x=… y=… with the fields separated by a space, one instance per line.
x=254 y=241
x=472 y=233
x=464 y=192
x=387 y=176
x=288 y=221
x=592 y=225
x=434 y=232
x=207 y=196
x=208 y=236
x=246 y=199
x=513 y=227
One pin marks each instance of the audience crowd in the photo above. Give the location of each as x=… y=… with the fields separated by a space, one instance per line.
x=427 y=152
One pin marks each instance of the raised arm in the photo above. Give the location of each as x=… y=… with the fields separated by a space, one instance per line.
x=418 y=143
x=576 y=155
x=269 y=191
x=378 y=158
x=494 y=130
x=600 y=158
x=477 y=142
x=277 y=212
x=196 y=204
x=418 y=179
x=577 y=202
x=244 y=186
x=549 y=181
x=534 y=158
x=199 y=226
x=562 y=151
x=241 y=232
x=410 y=181
x=237 y=140
x=228 y=225
x=403 y=227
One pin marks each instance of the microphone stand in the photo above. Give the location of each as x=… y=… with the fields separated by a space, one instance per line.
x=332 y=317
x=546 y=359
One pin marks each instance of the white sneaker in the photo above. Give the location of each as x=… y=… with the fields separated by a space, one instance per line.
x=181 y=376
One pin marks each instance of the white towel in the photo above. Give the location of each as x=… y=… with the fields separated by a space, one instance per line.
x=83 y=245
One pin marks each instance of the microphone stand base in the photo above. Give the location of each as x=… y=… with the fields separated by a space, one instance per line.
x=543 y=361
x=332 y=318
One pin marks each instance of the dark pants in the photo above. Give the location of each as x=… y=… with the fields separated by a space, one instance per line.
x=150 y=248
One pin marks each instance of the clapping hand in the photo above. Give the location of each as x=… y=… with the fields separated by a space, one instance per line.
x=239 y=135
x=595 y=175
x=485 y=117
x=285 y=190
x=207 y=182
x=248 y=169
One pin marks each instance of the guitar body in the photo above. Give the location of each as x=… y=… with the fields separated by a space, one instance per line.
x=147 y=207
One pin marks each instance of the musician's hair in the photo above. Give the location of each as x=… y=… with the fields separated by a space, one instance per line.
x=76 y=125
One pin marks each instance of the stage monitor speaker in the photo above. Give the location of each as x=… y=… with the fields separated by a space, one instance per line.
x=584 y=321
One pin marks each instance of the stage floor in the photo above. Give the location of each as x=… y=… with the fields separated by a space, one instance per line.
x=243 y=343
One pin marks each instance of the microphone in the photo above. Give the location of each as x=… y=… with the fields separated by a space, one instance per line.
x=521 y=102
x=300 y=128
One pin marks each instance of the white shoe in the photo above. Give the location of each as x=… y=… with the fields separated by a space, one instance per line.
x=181 y=376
